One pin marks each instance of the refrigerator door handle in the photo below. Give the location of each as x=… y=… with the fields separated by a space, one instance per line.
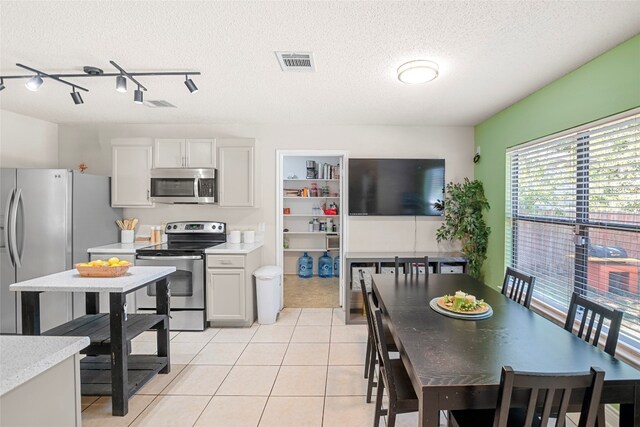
x=6 y=227
x=13 y=228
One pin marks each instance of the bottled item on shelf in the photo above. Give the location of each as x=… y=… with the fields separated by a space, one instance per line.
x=316 y=224
x=324 y=190
x=285 y=243
x=325 y=266
x=314 y=190
x=336 y=266
x=323 y=225
x=310 y=228
x=305 y=266
x=329 y=227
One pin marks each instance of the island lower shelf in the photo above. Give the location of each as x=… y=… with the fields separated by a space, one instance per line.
x=97 y=328
x=95 y=373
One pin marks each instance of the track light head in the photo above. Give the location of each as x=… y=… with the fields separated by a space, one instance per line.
x=34 y=83
x=121 y=83
x=77 y=98
x=190 y=84
x=137 y=96
x=2 y=84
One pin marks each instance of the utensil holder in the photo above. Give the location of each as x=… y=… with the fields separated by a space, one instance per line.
x=126 y=236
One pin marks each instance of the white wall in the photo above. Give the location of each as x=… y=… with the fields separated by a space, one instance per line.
x=26 y=142
x=455 y=144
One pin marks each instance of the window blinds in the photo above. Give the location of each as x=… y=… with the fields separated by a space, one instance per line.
x=573 y=217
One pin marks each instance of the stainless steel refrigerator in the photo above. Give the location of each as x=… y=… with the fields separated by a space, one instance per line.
x=49 y=218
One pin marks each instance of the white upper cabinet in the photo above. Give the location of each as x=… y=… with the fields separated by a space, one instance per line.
x=184 y=153
x=236 y=172
x=131 y=180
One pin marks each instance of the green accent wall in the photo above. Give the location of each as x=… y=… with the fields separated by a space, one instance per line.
x=605 y=86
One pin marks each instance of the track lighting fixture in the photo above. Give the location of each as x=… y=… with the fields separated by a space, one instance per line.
x=121 y=83
x=137 y=96
x=190 y=84
x=34 y=82
x=77 y=98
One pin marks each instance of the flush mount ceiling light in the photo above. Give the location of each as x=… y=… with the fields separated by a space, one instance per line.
x=417 y=72
x=34 y=82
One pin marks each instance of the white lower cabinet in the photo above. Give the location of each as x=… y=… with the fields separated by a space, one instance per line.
x=231 y=289
x=225 y=296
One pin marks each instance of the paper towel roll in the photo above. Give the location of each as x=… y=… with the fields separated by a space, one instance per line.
x=234 y=236
x=249 y=236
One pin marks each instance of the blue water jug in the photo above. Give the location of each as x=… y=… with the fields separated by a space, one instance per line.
x=336 y=266
x=305 y=266
x=325 y=266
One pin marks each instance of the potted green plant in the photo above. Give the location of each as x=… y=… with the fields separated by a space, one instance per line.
x=463 y=208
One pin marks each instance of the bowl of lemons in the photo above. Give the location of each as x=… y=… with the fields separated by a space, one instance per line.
x=114 y=267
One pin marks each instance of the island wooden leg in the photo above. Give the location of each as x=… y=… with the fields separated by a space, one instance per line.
x=163 y=301
x=119 y=363
x=92 y=302
x=30 y=304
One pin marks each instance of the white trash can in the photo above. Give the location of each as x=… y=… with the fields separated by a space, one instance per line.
x=268 y=279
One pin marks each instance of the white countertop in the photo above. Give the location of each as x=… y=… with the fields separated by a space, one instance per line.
x=234 y=248
x=71 y=281
x=25 y=357
x=119 y=248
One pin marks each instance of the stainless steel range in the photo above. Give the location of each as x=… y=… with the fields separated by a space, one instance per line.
x=184 y=250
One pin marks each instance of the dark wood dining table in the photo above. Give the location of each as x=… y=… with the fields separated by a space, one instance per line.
x=456 y=364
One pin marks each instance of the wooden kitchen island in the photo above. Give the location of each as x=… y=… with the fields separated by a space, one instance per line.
x=108 y=369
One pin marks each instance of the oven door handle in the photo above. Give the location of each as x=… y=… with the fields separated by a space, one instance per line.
x=168 y=258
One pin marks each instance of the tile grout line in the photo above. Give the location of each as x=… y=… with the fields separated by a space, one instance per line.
x=278 y=373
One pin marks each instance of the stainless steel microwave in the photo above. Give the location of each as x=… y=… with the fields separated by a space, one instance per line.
x=193 y=186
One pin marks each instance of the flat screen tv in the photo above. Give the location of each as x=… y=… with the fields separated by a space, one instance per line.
x=392 y=187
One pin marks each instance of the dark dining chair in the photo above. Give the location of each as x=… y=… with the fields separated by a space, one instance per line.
x=518 y=286
x=392 y=375
x=407 y=264
x=589 y=327
x=538 y=410
x=370 y=357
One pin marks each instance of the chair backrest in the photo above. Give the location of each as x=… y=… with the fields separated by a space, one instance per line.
x=593 y=319
x=554 y=387
x=382 y=349
x=518 y=286
x=367 y=306
x=407 y=264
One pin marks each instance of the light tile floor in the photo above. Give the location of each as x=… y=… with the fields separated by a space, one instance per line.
x=304 y=371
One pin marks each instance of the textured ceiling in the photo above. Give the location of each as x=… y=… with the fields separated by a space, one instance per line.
x=491 y=54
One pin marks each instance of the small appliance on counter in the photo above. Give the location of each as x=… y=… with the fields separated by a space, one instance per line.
x=312 y=172
x=184 y=249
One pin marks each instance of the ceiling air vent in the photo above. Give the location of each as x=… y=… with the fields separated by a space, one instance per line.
x=158 y=103
x=296 y=61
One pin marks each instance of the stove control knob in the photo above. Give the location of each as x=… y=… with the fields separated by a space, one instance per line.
x=168 y=227
x=213 y=226
x=175 y=226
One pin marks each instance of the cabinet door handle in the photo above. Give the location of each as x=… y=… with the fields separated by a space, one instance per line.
x=148 y=194
x=225 y=261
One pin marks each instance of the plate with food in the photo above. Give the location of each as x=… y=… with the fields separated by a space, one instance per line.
x=462 y=306
x=114 y=267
